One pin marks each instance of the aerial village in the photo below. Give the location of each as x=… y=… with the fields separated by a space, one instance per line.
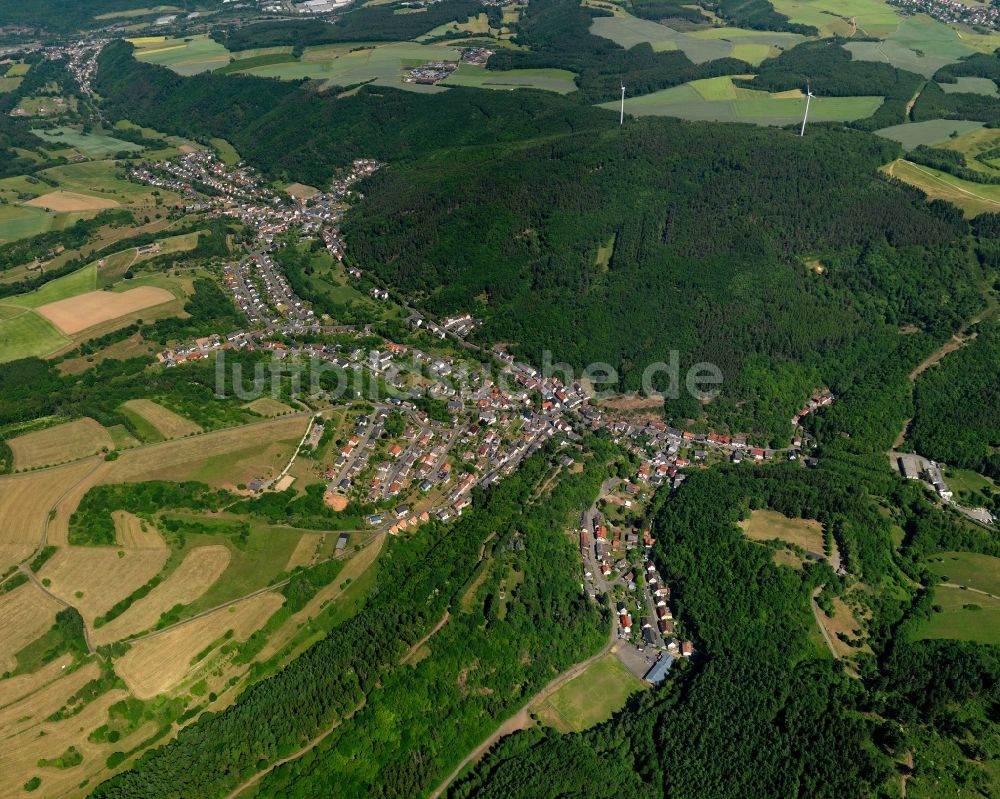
x=440 y=424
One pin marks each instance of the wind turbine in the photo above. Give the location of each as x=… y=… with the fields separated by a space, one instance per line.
x=805 y=116
x=621 y=120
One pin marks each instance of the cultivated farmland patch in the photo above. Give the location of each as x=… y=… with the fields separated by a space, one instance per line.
x=64 y=442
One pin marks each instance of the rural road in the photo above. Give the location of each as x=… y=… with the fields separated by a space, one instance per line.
x=522 y=718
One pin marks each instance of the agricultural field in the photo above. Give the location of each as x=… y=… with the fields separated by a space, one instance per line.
x=970 y=85
x=973 y=198
x=931 y=133
x=589 y=698
x=91 y=145
x=560 y=81
x=766 y=525
x=25 y=501
x=718 y=99
x=201 y=567
x=93 y=579
x=382 y=64
x=25 y=613
x=27 y=334
x=187 y=56
x=65 y=201
x=164 y=422
x=19 y=222
x=222 y=458
x=64 y=442
x=700 y=46
x=42 y=105
x=266 y=406
x=965 y=615
x=76 y=314
x=969 y=569
x=155 y=665
x=832 y=17
x=919 y=44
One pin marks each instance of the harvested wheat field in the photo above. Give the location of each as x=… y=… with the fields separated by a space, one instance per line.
x=157 y=664
x=64 y=442
x=304 y=551
x=75 y=314
x=25 y=614
x=25 y=500
x=201 y=567
x=25 y=748
x=168 y=423
x=34 y=708
x=15 y=688
x=131 y=532
x=218 y=458
x=65 y=201
x=69 y=500
x=92 y=579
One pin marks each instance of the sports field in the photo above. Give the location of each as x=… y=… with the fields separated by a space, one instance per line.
x=64 y=442
x=973 y=198
x=92 y=145
x=719 y=100
x=560 y=81
x=932 y=132
x=590 y=697
x=187 y=56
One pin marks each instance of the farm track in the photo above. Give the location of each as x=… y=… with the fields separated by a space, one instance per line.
x=31 y=576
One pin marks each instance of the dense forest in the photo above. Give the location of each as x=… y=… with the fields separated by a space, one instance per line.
x=737 y=297
x=957 y=405
x=511 y=231
x=763 y=712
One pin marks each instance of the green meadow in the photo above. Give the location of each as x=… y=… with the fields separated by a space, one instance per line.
x=380 y=64
x=831 y=17
x=92 y=145
x=717 y=99
x=187 y=56
x=930 y=133
x=78 y=282
x=25 y=334
x=700 y=46
x=553 y=80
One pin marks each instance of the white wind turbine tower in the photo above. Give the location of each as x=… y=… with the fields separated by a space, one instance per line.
x=809 y=96
x=621 y=120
